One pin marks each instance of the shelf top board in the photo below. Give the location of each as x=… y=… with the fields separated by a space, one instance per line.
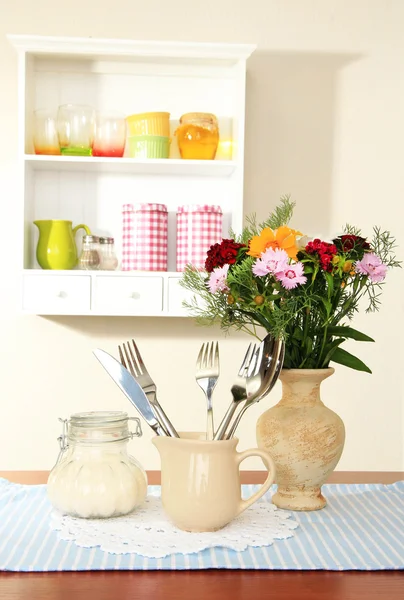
x=154 y=166
x=86 y=47
x=98 y=273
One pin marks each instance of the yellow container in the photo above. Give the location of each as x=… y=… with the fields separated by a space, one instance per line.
x=150 y=123
x=198 y=136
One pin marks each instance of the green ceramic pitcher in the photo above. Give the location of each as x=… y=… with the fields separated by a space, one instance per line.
x=56 y=247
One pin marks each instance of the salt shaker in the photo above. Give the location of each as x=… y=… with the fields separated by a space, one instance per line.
x=109 y=261
x=90 y=258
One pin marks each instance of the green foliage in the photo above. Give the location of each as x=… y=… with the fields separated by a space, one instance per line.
x=281 y=215
x=349 y=360
x=383 y=244
x=312 y=318
x=348 y=332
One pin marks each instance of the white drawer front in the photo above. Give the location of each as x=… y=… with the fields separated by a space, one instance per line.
x=57 y=294
x=176 y=295
x=129 y=295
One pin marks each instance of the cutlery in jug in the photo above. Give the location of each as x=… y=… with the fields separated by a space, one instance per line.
x=130 y=387
x=207 y=374
x=238 y=391
x=133 y=361
x=274 y=364
x=250 y=378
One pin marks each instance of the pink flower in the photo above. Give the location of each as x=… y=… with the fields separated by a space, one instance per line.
x=217 y=280
x=372 y=266
x=271 y=261
x=292 y=276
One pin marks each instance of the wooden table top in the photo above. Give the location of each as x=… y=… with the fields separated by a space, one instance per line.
x=209 y=584
x=204 y=585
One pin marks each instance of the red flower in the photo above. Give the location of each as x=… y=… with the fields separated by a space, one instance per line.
x=222 y=254
x=349 y=242
x=324 y=251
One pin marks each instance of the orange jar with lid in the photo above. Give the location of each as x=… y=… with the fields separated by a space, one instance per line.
x=198 y=136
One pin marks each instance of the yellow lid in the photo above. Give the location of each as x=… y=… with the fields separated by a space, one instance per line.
x=147 y=115
x=199 y=116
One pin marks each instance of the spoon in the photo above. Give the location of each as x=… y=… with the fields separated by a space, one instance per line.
x=249 y=381
x=274 y=363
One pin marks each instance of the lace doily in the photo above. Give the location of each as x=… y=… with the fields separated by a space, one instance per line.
x=148 y=532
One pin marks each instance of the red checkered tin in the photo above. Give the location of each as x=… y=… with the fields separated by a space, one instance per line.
x=198 y=227
x=145 y=237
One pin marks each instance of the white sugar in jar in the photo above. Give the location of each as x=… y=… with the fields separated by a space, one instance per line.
x=94 y=476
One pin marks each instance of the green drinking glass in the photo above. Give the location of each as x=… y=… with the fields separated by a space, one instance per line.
x=76 y=128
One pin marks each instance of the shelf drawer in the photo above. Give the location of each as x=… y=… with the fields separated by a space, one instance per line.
x=56 y=294
x=176 y=295
x=128 y=295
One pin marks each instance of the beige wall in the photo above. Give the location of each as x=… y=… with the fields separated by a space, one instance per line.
x=325 y=123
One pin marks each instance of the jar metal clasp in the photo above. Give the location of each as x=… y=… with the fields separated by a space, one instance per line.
x=62 y=439
x=138 y=432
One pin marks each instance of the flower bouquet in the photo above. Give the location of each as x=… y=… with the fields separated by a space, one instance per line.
x=305 y=291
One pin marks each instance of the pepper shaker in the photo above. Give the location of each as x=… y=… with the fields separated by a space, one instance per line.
x=90 y=258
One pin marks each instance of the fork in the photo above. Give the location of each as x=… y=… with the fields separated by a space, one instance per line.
x=238 y=391
x=207 y=374
x=273 y=368
x=134 y=363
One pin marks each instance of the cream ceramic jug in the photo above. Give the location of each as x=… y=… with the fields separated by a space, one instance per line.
x=200 y=480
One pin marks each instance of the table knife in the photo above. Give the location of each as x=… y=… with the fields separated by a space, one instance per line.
x=130 y=387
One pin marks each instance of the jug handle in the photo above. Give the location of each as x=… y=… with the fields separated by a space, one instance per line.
x=270 y=465
x=81 y=226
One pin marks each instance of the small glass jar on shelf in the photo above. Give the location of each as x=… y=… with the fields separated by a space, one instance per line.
x=90 y=255
x=198 y=136
x=108 y=258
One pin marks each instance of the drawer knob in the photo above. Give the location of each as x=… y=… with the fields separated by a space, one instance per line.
x=134 y=295
x=62 y=294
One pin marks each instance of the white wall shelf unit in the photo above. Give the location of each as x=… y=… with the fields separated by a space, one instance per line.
x=131 y=77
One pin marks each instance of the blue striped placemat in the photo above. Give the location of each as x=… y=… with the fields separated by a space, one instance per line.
x=362 y=528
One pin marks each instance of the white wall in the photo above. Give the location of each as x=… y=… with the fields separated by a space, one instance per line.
x=325 y=123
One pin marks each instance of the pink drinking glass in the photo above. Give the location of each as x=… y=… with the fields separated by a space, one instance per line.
x=110 y=134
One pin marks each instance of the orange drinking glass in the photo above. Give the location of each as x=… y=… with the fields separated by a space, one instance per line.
x=45 y=132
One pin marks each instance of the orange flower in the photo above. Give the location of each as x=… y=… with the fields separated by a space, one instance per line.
x=283 y=237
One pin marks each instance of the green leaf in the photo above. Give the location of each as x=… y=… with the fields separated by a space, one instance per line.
x=330 y=284
x=327 y=305
x=349 y=332
x=330 y=349
x=347 y=359
x=259 y=318
x=308 y=344
x=287 y=363
x=297 y=333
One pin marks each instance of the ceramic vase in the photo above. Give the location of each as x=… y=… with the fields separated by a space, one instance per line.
x=304 y=437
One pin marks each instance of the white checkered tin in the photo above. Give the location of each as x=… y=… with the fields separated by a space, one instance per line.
x=198 y=228
x=144 y=237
